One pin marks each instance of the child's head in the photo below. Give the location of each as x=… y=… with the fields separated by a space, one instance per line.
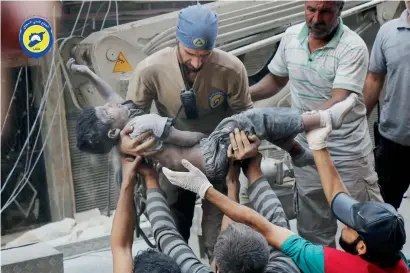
x=98 y=127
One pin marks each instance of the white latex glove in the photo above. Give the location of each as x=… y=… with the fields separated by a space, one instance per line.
x=317 y=138
x=194 y=180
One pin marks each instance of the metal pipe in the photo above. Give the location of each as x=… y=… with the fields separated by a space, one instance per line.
x=255 y=13
x=259 y=27
x=161 y=46
x=360 y=8
x=246 y=10
x=277 y=38
x=262 y=21
x=248 y=40
x=169 y=37
x=158 y=38
x=364 y=26
x=257 y=45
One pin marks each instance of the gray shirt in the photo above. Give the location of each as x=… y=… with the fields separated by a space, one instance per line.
x=391 y=55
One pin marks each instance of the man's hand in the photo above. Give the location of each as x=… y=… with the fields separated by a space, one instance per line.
x=242 y=146
x=317 y=138
x=76 y=68
x=129 y=168
x=232 y=180
x=133 y=166
x=194 y=180
x=137 y=146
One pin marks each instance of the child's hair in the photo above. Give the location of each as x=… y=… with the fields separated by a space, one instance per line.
x=92 y=133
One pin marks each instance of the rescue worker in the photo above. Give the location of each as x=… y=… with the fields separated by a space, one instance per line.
x=391 y=57
x=197 y=86
x=324 y=61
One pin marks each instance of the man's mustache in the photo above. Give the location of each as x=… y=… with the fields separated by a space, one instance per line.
x=192 y=69
x=318 y=26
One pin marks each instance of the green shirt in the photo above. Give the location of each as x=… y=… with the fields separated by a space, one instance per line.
x=308 y=257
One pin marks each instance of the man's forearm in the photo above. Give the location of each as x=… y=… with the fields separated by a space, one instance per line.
x=329 y=177
x=265 y=201
x=122 y=234
x=372 y=89
x=269 y=86
x=233 y=194
x=168 y=239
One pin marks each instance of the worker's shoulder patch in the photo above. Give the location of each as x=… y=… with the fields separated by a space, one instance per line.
x=216 y=99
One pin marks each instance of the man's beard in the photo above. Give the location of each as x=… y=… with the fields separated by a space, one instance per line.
x=321 y=32
x=191 y=69
x=349 y=247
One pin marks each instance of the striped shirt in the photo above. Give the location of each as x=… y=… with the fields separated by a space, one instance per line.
x=340 y=64
x=170 y=242
x=266 y=202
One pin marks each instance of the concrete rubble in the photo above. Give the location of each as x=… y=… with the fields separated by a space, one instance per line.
x=85 y=225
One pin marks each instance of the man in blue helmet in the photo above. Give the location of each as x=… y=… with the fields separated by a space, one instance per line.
x=197 y=86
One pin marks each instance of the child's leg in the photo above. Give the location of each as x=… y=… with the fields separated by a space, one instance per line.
x=335 y=114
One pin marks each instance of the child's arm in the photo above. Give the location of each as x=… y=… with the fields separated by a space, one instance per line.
x=103 y=88
x=183 y=138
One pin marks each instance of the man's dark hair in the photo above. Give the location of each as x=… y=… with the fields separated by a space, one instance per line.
x=340 y=4
x=92 y=133
x=240 y=249
x=153 y=261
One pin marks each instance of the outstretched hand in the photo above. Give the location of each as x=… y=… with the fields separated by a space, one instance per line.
x=76 y=68
x=242 y=146
x=193 y=180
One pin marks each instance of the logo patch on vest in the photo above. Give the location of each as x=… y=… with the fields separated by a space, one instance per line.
x=216 y=99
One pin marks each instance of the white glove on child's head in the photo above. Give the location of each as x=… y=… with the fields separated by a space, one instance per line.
x=194 y=180
x=317 y=138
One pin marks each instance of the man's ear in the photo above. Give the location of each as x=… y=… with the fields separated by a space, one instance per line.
x=339 y=7
x=361 y=248
x=114 y=133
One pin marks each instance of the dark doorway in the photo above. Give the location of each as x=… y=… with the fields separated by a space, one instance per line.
x=30 y=205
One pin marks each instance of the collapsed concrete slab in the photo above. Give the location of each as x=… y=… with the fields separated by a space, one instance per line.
x=38 y=257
